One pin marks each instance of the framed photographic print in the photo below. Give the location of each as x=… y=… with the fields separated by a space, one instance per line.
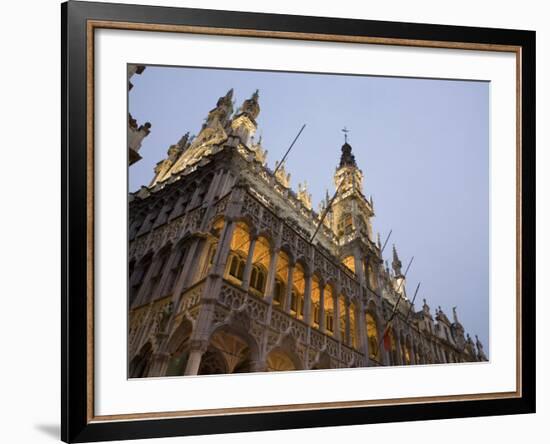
x=275 y=221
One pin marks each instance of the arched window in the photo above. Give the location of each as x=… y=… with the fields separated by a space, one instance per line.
x=342 y=323
x=236 y=266
x=372 y=335
x=315 y=301
x=352 y=325
x=371 y=277
x=297 y=295
x=261 y=257
x=278 y=292
x=345 y=225
x=240 y=244
x=257 y=278
x=329 y=309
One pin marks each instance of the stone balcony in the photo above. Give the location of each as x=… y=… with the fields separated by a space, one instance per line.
x=271 y=327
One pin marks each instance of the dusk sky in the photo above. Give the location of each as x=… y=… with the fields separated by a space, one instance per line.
x=422 y=144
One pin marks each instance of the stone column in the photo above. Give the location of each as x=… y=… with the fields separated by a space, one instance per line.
x=271 y=275
x=145 y=283
x=361 y=328
x=322 y=326
x=336 y=314
x=198 y=347
x=159 y=365
x=359 y=266
x=213 y=186
x=258 y=366
x=222 y=251
x=160 y=290
x=193 y=363
x=348 y=323
x=307 y=300
x=288 y=297
x=248 y=266
x=181 y=279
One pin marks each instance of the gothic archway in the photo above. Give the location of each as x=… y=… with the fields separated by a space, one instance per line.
x=178 y=348
x=139 y=366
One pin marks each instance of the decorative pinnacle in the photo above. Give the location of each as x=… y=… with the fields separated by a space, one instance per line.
x=396 y=263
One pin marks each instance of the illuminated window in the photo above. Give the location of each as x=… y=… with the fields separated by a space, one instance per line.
x=315 y=301
x=352 y=326
x=257 y=279
x=349 y=262
x=342 y=307
x=372 y=335
x=316 y=314
x=236 y=268
x=278 y=292
x=330 y=321
x=345 y=225
x=297 y=295
x=329 y=309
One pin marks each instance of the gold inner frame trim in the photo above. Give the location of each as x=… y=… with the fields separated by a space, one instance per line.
x=92 y=25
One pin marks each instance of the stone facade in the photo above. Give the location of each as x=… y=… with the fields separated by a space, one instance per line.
x=232 y=271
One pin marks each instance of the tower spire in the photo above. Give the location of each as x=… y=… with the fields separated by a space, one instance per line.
x=347 y=158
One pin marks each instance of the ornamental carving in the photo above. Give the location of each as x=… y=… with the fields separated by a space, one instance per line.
x=256 y=308
x=280 y=321
x=288 y=236
x=191 y=299
x=231 y=298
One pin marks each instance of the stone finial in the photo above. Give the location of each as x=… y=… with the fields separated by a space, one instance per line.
x=222 y=111
x=259 y=152
x=425 y=307
x=251 y=107
x=281 y=175
x=396 y=263
x=184 y=141
x=304 y=196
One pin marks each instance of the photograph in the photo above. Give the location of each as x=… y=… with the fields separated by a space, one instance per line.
x=304 y=221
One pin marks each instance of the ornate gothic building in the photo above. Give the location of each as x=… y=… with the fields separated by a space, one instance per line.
x=231 y=271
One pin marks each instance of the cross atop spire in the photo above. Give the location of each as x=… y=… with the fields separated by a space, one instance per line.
x=345 y=131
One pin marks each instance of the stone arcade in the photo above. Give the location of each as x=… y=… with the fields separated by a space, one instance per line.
x=224 y=276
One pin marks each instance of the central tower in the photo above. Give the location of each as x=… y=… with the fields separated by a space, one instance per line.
x=351 y=210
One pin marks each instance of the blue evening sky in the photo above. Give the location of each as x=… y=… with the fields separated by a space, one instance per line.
x=422 y=144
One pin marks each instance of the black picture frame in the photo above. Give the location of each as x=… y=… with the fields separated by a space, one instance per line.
x=76 y=423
